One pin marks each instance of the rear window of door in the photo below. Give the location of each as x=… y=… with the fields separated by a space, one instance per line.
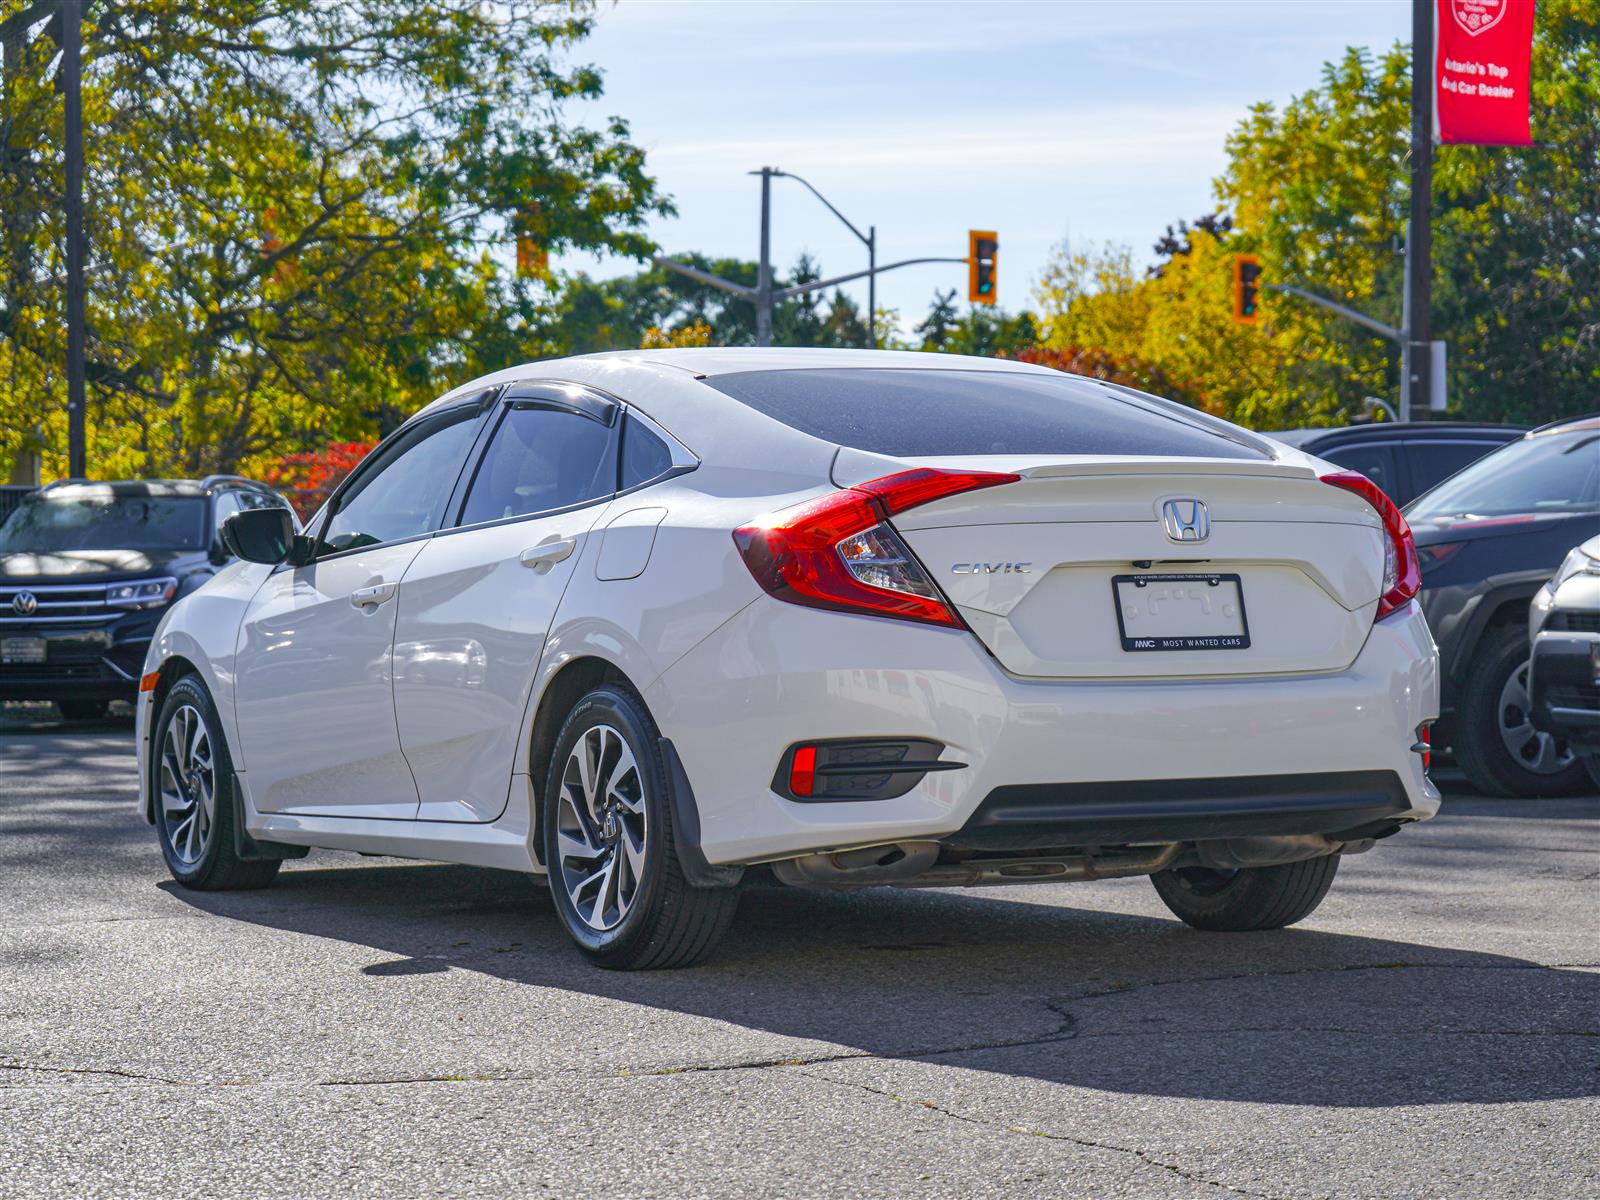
x=404 y=490
x=1434 y=462
x=542 y=458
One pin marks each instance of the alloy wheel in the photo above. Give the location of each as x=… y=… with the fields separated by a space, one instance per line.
x=1532 y=749
x=601 y=828
x=188 y=784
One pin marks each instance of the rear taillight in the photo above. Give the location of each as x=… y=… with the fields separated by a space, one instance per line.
x=838 y=551
x=1424 y=744
x=1402 y=576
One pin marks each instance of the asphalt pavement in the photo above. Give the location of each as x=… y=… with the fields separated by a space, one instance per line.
x=369 y=1027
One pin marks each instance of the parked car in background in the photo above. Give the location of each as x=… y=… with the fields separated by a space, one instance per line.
x=88 y=569
x=1564 y=682
x=1404 y=458
x=1488 y=539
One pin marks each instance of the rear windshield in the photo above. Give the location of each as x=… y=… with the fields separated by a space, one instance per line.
x=96 y=519
x=911 y=413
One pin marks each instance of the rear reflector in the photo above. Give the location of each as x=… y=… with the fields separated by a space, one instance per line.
x=1402 y=574
x=1424 y=744
x=803 y=771
x=838 y=551
x=147 y=683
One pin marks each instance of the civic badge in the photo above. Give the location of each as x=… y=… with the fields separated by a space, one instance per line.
x=1186 y=520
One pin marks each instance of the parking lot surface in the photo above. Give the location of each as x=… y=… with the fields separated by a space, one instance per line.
x=372 y=1027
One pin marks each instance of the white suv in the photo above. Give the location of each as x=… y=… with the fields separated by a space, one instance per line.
x=641 y=621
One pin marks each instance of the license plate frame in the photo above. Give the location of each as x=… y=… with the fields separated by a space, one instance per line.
x=23 y=651
x=1147 y=644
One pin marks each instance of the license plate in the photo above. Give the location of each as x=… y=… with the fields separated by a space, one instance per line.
x=21 y=650
x=1180 y=612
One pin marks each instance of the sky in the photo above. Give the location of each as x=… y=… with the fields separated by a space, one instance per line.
x=1101 y=121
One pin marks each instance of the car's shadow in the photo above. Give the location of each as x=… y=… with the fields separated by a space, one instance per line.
x=1116 y=1002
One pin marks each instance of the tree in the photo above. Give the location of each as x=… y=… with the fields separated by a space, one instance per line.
x=941 y=319
x=291 y=208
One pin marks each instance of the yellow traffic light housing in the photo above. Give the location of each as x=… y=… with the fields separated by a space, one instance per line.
x=1246 y=272
x=983 y=249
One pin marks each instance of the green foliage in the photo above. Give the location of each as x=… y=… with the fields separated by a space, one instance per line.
x=291 y=207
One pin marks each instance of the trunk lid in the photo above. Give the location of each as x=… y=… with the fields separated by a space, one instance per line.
x=1033 y=566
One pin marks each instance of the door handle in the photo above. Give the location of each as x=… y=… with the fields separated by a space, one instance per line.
x=542 y=558
x=368 y=598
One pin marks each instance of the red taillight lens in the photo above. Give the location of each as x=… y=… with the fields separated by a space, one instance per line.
x=803 y=771
x=1402 y=575
x=839 y=552
x=1425 y=739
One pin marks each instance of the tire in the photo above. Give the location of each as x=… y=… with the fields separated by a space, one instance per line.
x=1495 y=742
x=606 y=794
x=83 y=710
x=189 y=765
x=1247 y=899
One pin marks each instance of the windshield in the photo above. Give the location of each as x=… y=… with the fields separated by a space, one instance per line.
x=1552 y=473
x=104 y=521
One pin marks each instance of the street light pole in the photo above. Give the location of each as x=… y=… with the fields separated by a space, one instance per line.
x=71 y=36
x=764 y=270
x=872 y=287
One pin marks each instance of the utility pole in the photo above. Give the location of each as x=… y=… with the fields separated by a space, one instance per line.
x=764 y=270
x=1417 y=352
x=71 y=31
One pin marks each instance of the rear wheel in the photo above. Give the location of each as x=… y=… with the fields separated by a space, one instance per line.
x=1496 y=743
x=1249 y=898
x=191 y=780
x=82 y=710
x=609 y=843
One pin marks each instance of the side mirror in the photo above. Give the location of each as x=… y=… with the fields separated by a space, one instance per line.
x=260 y=535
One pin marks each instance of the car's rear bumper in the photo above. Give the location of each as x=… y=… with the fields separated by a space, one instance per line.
x=1564 y=686
x=1137 y=761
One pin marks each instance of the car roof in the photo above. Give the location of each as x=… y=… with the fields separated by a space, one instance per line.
x=1384 y=431
x=69 y=488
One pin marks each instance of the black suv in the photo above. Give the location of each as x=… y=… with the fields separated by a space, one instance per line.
x=1406 y=458
x=87 y=569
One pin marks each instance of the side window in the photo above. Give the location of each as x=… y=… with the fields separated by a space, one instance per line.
x=405 y=491
x=227 y=504
x=644 y=455
x=1375 y=462
x=1434 y=462
x=541 y=458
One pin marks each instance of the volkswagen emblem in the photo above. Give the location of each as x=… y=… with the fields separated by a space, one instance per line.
x=24 y=604
x=1186 y=520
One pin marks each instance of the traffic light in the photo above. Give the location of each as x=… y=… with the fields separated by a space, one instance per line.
x=1246 y=271
x=983 y=249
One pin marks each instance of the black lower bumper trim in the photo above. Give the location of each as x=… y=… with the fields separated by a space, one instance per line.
x=1037 y=816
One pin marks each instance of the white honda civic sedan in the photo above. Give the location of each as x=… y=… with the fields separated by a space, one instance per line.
x=643 y=623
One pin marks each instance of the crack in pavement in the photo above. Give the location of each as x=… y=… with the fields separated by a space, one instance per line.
x=1144 y=1156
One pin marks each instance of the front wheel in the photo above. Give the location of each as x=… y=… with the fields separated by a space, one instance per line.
x=191 y=779
x=609 y=843
x=1497 y=744
x=1248 y=898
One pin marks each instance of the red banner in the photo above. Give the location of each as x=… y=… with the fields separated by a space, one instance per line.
x=1481 y=68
